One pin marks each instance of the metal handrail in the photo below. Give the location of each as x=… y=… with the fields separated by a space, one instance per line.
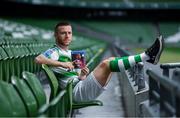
x=167 y=66
x=163 y=80
x=170 y=65
x=165 y=87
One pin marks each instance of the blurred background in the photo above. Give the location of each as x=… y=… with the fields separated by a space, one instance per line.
x=132 y=24
x=102 y=28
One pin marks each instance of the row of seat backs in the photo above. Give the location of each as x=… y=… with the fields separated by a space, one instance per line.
x=33 y=97
x=8 y=40
x=30 y=91
x=25 y=50
x=14 y=51
x=26 y=97
x=21 y=97
x=18 y=58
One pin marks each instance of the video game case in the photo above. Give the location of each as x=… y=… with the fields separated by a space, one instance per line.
x=78 y=58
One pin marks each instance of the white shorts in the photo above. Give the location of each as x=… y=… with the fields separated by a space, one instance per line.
x=88 y=89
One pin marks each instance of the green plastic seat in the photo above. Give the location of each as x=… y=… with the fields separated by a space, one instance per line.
x=52 y=81
x=27 y=60
x=3 y=53
x=20 y=54
x=36 y=87
x=26 y=95
x=55 y=108
x=12 y=60
x=78 y=105
x=70 y=104
x=1 y=67
x=11 y=104
x=5 y=65
x=2 y=41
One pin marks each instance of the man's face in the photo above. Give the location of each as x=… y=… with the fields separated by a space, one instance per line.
x=64 y=35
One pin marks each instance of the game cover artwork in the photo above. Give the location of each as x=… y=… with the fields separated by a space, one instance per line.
x=78 y=59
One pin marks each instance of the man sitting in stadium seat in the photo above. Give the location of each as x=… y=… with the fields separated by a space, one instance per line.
x=93 y=84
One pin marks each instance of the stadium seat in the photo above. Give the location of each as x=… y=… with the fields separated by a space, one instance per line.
x=78 y=105
x=52 y=81
x=1 y=67
x=11 y=105
x=2 y=42
x=10 y=61
x=26 y=95
x=5 y=65
x=70 y=105
x=35 y=87
x=55 y=108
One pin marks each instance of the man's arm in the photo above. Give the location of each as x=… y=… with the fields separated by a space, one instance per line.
x=41 y=59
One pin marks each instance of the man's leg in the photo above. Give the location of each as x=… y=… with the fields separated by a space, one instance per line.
x=103 y=71
x=115 y=64
x=94 y=84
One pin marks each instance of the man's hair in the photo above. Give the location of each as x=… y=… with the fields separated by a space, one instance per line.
x=61 y=24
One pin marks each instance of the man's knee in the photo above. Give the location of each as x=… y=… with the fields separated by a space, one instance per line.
x=111 y=58
x=105 y=62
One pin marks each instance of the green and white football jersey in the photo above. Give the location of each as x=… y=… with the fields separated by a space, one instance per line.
x=58 y=54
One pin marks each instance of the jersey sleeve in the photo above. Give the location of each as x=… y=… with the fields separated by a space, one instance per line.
x=51 y=54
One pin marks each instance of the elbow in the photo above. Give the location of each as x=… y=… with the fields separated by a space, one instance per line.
x=38 y=60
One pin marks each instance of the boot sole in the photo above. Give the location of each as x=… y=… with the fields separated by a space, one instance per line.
x=161 y=40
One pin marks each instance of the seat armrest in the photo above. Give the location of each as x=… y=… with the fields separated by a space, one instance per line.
x=77 y=105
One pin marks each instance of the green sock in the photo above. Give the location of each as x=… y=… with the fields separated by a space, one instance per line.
x=124 y=63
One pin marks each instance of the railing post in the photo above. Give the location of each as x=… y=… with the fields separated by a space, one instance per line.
x=164 y=92
x=178 y=104
x=176 y=78
x=153 y=91
x=166 y=72
x=176 y=75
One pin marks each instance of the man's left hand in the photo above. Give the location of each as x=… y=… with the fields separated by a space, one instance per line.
x=84 y=73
